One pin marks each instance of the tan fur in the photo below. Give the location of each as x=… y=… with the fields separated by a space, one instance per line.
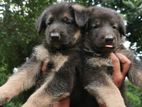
x=99 y=62
x=22 y=80
x=77 y=36
x=34 y=101
x=78 y=7
x=25 y=78
x=46 y=100
x=66 y=14
x=41 y=53
x=109 y=95
x=58 y=60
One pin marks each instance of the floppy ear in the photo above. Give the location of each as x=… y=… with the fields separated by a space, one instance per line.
x=81 y=14
x=41 y=22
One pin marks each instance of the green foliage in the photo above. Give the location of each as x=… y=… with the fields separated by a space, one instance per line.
x=18 y=34
x=134 y=17
x=134 y=95
x=3 y=74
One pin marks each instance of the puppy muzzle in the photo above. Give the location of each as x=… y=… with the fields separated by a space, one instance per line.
x=55 y=36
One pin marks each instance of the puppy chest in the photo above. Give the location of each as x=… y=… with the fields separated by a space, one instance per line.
x=57 y=61
x=103 y=64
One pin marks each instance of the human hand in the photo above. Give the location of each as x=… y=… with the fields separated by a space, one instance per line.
x=63 y=103
x=121 y=65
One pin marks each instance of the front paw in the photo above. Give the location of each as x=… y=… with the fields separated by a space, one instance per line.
x=4 y=96
x=28 y=105
x=31 y=103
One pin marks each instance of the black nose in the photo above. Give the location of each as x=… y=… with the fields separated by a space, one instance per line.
x=109 y=38
x=55 y=36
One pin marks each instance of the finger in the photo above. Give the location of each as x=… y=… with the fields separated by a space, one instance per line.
x=63 y=103
x=123 y=58
x=44 y=66
x=125 y=63
x=117 y=75
x=115 y=62
x=114 y=58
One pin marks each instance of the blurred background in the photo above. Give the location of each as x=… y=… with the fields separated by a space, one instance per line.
x=18 y=35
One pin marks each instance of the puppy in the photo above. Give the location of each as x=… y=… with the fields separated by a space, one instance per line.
x=104 y=32
x=104 y=35
x=60 y=24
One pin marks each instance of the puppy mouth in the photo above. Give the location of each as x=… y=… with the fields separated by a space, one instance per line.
x=109 y=46
x=58 y=44
x=55 y=43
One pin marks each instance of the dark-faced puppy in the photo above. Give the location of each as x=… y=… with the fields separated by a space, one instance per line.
x=60 y=24
x=104 y=31
x=104 y=35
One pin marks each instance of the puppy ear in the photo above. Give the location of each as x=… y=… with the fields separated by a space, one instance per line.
x=41 y=22
x=81 y=14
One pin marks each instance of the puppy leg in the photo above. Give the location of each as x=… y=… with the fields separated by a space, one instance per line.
x=135 y=71
x=22 y=80
x=106 y=93
x=54 y=89
x=43 y=99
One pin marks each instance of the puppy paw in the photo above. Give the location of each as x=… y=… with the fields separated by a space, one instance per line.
x=4 y=96
x=32 y=102
x=28 y=105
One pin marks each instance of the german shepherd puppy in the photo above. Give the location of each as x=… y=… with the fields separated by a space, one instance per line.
x=60 y=24
x=104 y=32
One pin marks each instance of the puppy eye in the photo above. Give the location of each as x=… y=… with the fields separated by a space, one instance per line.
x=67 y=20
x=50 y=21
x=94 y=26
x=115 y=26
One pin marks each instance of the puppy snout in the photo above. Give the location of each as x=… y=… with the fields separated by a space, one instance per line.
x=109 y=39
x=55 y=35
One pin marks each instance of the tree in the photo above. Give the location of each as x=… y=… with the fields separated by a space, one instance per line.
x=18 y=34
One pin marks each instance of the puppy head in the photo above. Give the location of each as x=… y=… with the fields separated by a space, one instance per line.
x=61 y=24
x=105 y=29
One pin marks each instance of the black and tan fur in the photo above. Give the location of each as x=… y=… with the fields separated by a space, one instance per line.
x=60 y=24
x=104 y=32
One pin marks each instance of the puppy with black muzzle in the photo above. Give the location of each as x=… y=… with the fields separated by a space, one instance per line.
x=104 y=35
x=60 y=24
